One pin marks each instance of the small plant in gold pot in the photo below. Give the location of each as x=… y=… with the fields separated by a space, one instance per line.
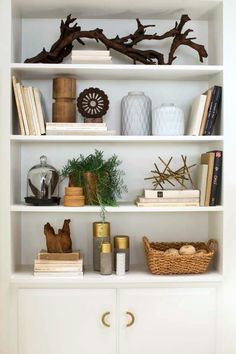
x=101 y=179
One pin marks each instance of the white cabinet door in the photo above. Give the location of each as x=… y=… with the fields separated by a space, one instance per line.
x=66 y=321
x=168 y=321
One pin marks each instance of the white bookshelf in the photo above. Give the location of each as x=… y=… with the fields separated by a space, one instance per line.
x=33 y=25
x=138 y=274
x=116 y=138
x=121 y=208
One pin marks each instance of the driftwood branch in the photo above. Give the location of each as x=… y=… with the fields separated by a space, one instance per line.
x=70 y=31
x=60 y=242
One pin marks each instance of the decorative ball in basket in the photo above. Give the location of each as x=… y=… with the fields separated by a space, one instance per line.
x=166 y=258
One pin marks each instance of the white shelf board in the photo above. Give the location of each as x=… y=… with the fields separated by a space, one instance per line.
x=116 y=71
x=138 y=274
x=122 y=208
x=115 y=138
x=118 y=9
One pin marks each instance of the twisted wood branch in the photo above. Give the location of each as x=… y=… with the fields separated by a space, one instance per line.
x=70 y=32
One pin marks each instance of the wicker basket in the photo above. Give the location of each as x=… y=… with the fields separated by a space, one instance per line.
x=163 y=264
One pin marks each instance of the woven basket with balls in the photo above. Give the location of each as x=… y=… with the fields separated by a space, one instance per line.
x=164 y=258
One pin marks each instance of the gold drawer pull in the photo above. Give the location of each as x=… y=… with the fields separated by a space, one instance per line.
x=104 y=316
x=129 y=324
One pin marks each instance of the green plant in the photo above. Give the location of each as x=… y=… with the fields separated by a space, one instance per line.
x=108 y=176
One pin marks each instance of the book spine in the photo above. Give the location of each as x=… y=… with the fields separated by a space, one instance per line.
x=149 y=193
x=168 y=200
x=22 y=129
x=213 y=110
x=216 y=178
x=150 y=205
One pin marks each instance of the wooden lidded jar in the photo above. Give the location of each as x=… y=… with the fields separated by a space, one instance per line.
x=64 y=93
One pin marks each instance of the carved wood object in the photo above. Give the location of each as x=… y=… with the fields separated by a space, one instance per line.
x=60 y=242
x=93 y=103
x=64 y=93
x=126 y=45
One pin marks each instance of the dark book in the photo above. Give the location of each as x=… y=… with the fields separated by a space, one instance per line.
x=216 y=179
x=213 y=110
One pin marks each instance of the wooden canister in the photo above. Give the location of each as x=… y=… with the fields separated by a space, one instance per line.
x=74 y=200
x=74 y=197
x=64 y=93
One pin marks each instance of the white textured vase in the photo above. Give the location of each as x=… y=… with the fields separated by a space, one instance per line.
x=168 y=120
x=136 y=116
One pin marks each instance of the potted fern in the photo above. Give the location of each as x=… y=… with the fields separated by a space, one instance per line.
x=101 y=179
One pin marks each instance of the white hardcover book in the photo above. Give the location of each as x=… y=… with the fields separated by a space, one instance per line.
x=195 y=118
x=103 y=53
x=59 y=274
x=171 y=193
x=22 y=129
x=202 y=182
x=75 y=125
x=77 y=128
x=56 y=269
x=34 y=111
x=150 y=205
x=55 y=262
x=98 y=58
x=28 y=111
x=168 y=200
x=95 y=61
x=39 y=110
x=80 y=132
x=22 y=106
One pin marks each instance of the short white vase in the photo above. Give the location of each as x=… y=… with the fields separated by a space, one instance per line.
x=168 y=120
x=136 y=115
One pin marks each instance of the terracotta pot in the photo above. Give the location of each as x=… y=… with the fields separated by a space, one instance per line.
x=90 y=188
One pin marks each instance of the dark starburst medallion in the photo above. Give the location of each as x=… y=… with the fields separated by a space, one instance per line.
x=93 y=103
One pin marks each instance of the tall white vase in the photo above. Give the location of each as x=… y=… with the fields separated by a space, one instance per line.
x=136 y=114
x=167 y=120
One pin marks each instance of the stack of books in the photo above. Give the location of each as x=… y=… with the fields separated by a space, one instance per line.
x=169 y=198
x=58 y=264
x=78 y=129
x=29 y=109
x=205 y=112
x=209 y=178
x=91 y=57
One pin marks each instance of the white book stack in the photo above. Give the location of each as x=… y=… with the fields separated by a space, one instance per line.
x=169 y=198
x=91 y=57
x=78 y=129
x=54 y=267
x=29 y=109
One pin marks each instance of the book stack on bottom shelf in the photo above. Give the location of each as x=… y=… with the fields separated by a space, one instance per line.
x=169 y=198
x=58 y=264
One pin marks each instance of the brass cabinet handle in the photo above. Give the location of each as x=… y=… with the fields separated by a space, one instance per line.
x=103 y=319
x=132 y=320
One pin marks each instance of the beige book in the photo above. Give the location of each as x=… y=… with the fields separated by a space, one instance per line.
x=59 y=274
x=195 y=118
x=208 y=159
x=58 y=262
x=72 y=256
x=39 y=110
x=171 y=193
x=24 y=118
x=168 y=200
x=20 y=118
x=206 y=108
x=34 y=111
x=202 y=182
x=150 y=205
x=28 y=111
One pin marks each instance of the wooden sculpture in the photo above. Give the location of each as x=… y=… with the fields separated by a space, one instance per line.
x=126 y=45
x=181 y=175
x=64 y=93
x=60 y=242
x=93 y=104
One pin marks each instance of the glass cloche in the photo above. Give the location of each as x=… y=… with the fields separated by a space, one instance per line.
x=43 y=184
